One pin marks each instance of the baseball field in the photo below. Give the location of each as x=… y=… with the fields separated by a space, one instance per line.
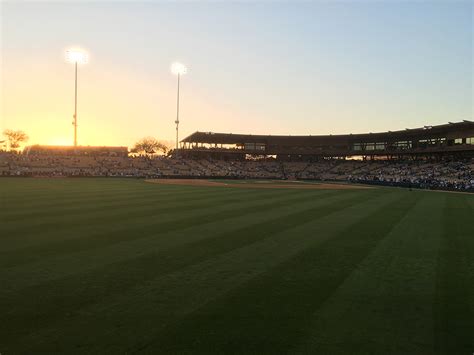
x=112 y=266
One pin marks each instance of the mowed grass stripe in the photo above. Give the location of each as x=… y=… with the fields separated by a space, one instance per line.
x=152 y=245
x=88 y=222
x=44 y=190
x=386 y=305
x=226 y=242
x=73 y=191
x=98 y=199
x=282 y=300
x=90 y=210
x=454 y=302
x=77 y=201
x=130 y=226
x=130 y=251
x=153 y=306
x=118 y=277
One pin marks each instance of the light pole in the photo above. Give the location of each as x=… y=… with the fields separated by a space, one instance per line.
x=76 y=57
x=178 y=69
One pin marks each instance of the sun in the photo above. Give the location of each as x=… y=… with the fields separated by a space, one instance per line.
x=60 y=141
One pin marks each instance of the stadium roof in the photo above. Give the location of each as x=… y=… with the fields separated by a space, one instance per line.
x=426 y=131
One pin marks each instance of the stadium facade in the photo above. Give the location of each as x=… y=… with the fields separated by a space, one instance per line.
x=454 y=140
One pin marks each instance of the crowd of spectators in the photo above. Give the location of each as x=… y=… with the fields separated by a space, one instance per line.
x=433 y=174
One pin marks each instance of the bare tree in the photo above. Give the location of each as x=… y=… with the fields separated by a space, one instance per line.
x=15 y=138
x=149 y=146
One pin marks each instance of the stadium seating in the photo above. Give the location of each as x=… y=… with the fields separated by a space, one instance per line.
x=445 y=174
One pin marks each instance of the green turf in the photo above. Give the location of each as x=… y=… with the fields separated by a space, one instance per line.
x=123 y=266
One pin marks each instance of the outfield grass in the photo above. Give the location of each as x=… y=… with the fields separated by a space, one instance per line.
x=124 y=266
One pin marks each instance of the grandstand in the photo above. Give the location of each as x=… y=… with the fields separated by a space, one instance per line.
x=448 y=140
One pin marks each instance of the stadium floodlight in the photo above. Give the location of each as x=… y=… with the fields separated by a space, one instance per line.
x=178 y=69
x=76 y=56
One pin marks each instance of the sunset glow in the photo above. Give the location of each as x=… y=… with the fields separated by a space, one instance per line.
x=255 y=69
x=59 y=141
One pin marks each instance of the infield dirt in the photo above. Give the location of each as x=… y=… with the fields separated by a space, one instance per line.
x=262 y=184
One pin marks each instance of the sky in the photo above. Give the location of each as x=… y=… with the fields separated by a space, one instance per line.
x=320 y=67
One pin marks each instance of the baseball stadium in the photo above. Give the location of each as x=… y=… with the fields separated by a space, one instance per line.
x=242 y=244
x=305 y=187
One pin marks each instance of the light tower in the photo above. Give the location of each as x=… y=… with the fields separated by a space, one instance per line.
x=75 y=57
x=178 y=69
